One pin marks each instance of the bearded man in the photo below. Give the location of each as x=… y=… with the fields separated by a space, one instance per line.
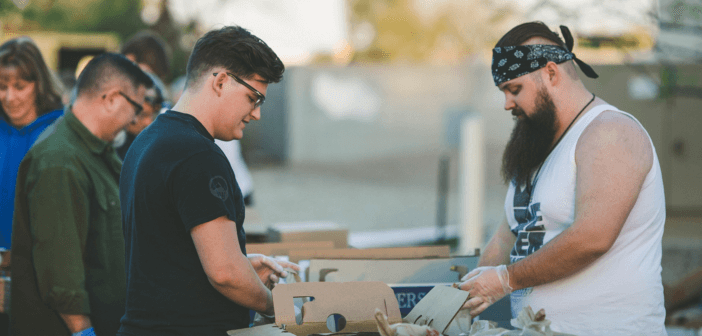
x=585 y=206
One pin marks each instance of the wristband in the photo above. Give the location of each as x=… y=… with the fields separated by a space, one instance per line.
x=86 y=332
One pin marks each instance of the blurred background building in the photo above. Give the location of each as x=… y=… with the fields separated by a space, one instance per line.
x=366 y=123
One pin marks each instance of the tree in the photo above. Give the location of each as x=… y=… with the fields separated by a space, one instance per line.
x=116 y=16
x=404 y=30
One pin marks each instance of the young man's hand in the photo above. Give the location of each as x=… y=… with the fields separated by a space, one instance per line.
x=270 y=270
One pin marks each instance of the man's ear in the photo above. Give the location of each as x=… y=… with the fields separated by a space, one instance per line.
x=110 y=100
x=218 y=83
x=553 y=73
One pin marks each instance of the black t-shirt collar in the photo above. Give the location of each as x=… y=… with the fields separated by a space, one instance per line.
x=190 y=120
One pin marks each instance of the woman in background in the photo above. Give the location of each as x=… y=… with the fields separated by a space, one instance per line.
x=30 y=100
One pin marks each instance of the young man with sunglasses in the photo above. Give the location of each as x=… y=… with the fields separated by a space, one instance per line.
x=183 y=213
x=67 y=243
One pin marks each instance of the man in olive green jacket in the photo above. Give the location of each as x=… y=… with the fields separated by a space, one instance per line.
x=68 y=249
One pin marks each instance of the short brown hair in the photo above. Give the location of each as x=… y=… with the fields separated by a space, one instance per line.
x=523 y=32
x=106 y=68
x=150 y=49
x=24 y=55
x=237 y=50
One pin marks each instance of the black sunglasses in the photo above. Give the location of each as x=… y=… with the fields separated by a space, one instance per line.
x=137 y=107
x=261 y=97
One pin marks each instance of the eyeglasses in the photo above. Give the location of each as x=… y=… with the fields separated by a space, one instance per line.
x=137 y=107
x=261 y=97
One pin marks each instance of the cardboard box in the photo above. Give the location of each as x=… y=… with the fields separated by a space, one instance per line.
x=408 y=295
x=256 y=230
x=391 y=271
x=409 y=278
x=284 y=249
x=356 y=302
x=417 y=252
x=309 y=231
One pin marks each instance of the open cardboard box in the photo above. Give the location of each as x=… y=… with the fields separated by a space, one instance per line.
x=393 y=271
x=285 y=249
x=356 y=302
x=415 y=252
x=411 y=279
x=306 y=232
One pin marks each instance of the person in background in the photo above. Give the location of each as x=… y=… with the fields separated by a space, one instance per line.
x=68 y=80
x=683 y=299
x=585 y=206
x=152 y=107
x=232 y=150
x=68 y=251
x=188 y=272
x=30 y=100
x=150 y=52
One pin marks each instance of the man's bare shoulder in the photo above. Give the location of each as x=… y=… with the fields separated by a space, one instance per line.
x=616 y=134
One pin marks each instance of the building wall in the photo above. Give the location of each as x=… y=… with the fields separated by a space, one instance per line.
x=388 y=126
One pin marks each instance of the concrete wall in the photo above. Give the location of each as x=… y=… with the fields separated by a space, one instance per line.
x=672 y=119
x=386 y=126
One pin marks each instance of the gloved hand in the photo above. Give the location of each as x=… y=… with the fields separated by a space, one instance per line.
x=86 y=332
x=270 y=270
x=486 y=285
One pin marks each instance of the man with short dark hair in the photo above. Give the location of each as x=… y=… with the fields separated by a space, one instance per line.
x=585 y=205
x=150 y=52
x=68 y=251
x=183 y=213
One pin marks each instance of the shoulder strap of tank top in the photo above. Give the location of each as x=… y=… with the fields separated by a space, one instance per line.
x=592 y=114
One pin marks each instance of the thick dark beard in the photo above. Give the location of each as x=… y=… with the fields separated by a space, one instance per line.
x=531 y=141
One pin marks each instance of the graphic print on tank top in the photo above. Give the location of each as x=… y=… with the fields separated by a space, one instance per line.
x=530 y=231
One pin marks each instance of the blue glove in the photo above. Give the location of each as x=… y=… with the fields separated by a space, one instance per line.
x=87 y=332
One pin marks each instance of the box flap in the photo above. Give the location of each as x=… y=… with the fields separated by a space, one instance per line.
x=283 y=249
x=438 y=308
x=390 y=271
x=355 y=301
x=309 y=231
x=418 y=252
x=307 y=226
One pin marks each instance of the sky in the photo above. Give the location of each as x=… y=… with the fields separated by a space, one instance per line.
x=296 y=29
x=595 y=16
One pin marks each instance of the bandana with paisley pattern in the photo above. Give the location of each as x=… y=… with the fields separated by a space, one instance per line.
x=515 y=61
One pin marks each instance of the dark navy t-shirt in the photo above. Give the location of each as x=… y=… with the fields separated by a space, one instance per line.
x=175 y=178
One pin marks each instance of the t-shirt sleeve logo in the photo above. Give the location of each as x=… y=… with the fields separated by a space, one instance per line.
x=218 y=187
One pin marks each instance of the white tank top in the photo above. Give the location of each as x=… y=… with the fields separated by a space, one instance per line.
x=621 y=292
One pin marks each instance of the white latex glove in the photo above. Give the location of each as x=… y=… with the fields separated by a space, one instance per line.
x=270 y=270
x=486 y=285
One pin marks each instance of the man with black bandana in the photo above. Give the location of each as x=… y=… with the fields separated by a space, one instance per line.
x=585 y=206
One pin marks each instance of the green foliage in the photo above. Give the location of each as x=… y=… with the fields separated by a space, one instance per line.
x=406 y=31
x=6 y=8
x=114 y=16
